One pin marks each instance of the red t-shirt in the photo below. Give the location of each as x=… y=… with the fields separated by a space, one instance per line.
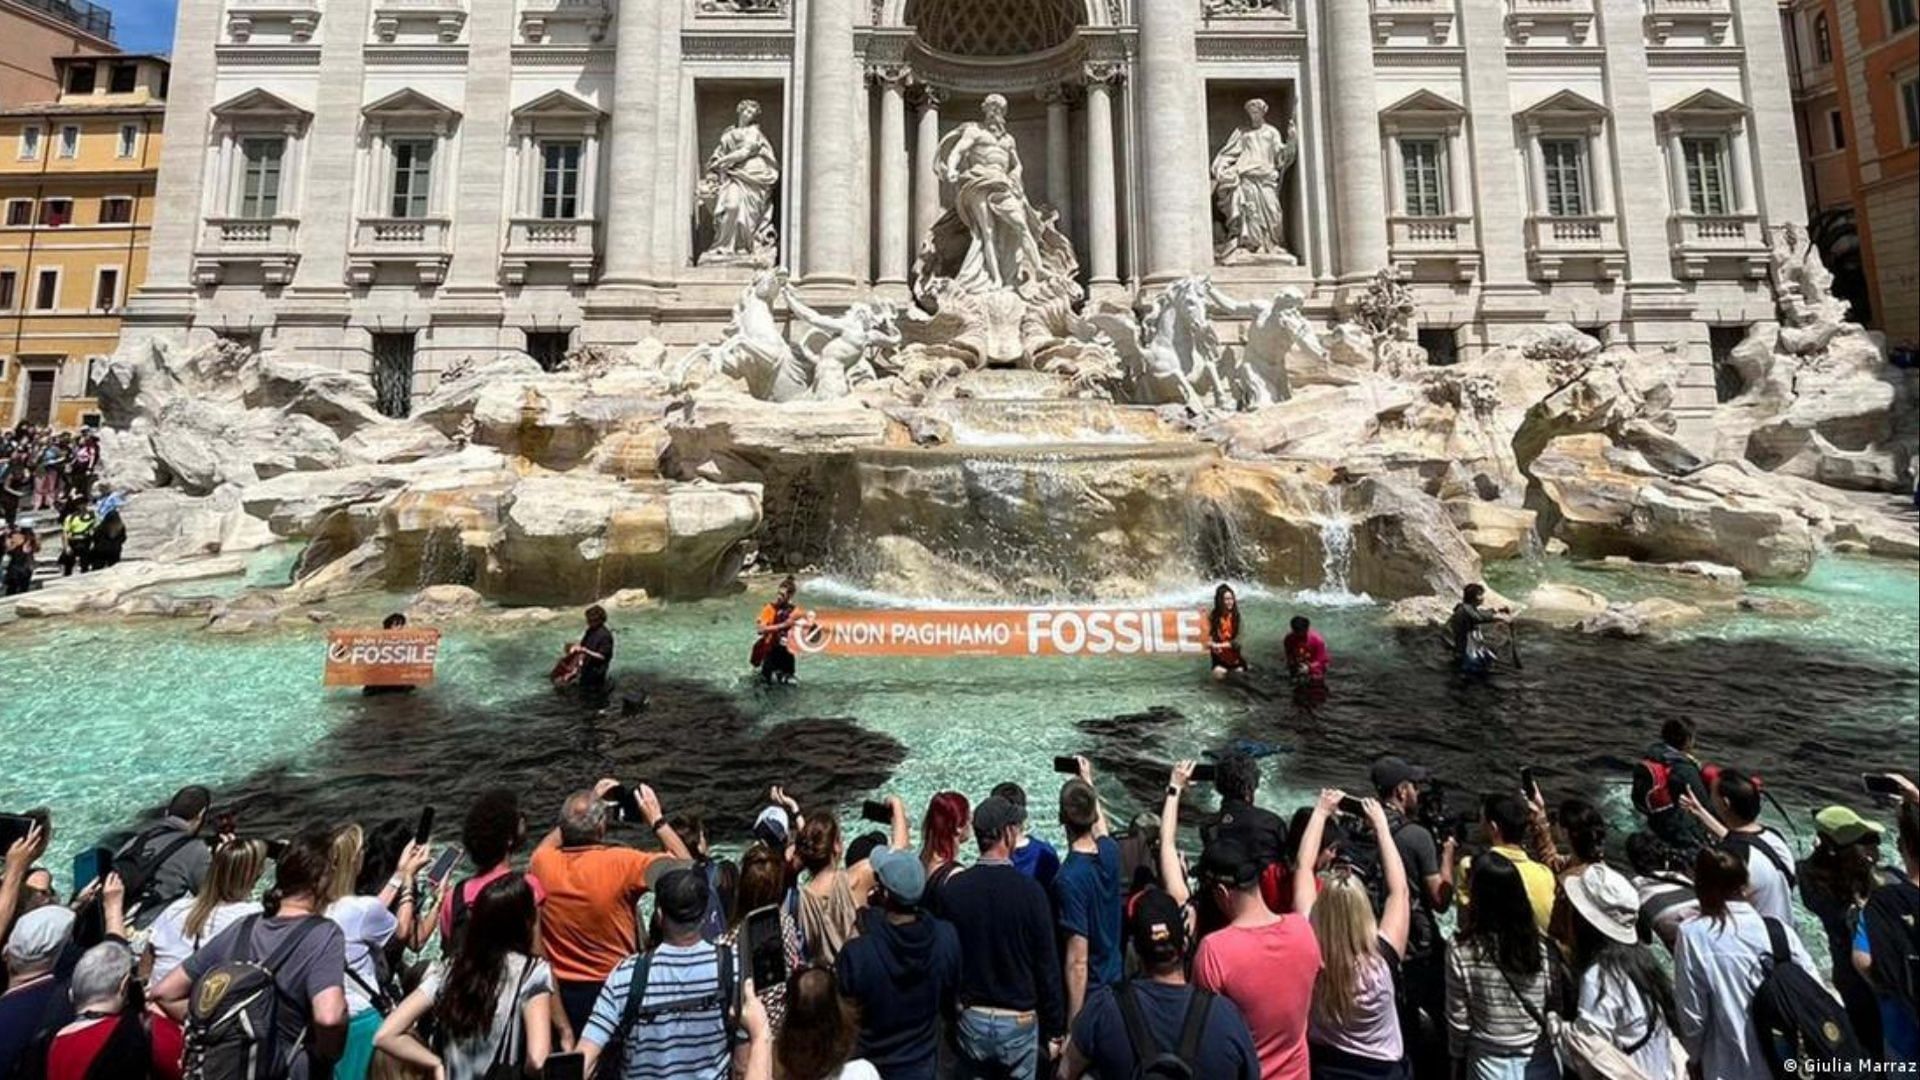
x=470 y=891
x=74 y=1049
x=1307 y=653
x=1268 y=973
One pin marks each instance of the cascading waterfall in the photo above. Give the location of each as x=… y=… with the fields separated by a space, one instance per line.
x=1336 y=562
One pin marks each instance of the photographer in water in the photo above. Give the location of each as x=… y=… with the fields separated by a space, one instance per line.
x=1430 y=869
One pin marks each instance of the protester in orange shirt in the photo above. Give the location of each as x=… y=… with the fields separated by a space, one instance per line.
x=588 y=923
x=1223 y=634
x=770 y=652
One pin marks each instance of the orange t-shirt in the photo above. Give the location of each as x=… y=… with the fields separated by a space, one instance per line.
x=588 y=922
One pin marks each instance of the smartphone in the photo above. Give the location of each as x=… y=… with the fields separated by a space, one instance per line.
x=13 y=829
x=765 y=949
x=423 y=829
x=1879 y=784
x=1066 y=766
x=90 y=866
x=1206 y=773
x=626 y=801
x=444 y=863
x=1353 y=807
x=565 y=1067
x=877 y=812
x=1526 y=781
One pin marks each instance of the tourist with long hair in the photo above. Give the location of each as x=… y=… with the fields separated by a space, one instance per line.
x=1835 y=880
x=368 y=923
x=1500 y=980
x=491 y=1001
x=817 y=1042
x=1353 y=1030
x=832 y=896
x=1624 y=994
x=947 y=825
x=1223 y=634
x=226 y=897
x=1718 y=963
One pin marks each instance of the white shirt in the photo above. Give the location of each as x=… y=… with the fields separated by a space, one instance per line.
x=1717 y=968
x=1618 y=1010
x=1772 y=895
x=368 y=926
x=858 y=1069
x=168 y=936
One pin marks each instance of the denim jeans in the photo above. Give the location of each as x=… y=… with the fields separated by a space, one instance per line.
x=994 y=1046
x=1542 y=1065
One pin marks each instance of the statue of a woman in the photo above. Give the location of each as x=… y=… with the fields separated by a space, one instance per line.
x=1246 y=183
x=737 y=191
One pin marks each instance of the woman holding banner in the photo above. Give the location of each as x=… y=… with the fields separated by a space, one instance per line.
x=770 y=652
x=1223 y=635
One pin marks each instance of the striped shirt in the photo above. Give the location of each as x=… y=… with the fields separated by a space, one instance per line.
x=691 y=1044
x=1484 y=1018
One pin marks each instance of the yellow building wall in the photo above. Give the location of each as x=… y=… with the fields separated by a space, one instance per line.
x=80 y=323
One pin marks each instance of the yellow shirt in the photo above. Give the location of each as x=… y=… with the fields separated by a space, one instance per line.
x=1537 y=877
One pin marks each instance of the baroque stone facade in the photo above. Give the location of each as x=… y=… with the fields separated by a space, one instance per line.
x=392 y=186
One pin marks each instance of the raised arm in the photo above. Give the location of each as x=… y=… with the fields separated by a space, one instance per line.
x=656 y=819
x=1099 y=808
x=1173 y=872
x=1308 y=853
x=902 y=833
x=1397 y=916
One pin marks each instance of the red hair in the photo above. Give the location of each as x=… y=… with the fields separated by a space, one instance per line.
x=948 y=814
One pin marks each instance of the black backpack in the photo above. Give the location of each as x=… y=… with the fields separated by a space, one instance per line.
x=139 y=862
x=1797 y=1019
x=233 y=1013
x=1892 y=918
x=1150 y=1062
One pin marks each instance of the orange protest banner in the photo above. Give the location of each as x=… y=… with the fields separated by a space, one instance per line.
x=381 y=657
x=1004 y=632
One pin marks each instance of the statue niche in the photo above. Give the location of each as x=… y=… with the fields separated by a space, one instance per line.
x=737 y=194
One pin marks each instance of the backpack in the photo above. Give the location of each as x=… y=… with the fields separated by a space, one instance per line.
x=138 y=863
x=713 y=925
x=726 y=999
x=1653 y=787
x=458 y=910
x=1745 y=844
x=1150 y=1061
x=233 y=1015
x=1893 y=939
x=1797 y=1019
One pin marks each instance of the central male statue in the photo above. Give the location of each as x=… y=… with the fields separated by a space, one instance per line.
x=1008 y=244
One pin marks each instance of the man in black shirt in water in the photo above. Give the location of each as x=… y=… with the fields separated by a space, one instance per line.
x=595 y=651
x=1470 y=649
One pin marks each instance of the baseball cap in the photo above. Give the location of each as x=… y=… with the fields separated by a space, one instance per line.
x=1842 y=826
x=1606 y=899
x=773 y=827
x=1390 y=772
x=39 y=935
x=900 y=873
x=1227 y=862
x=681 y=897
x=994 y=816
x=1156 y=927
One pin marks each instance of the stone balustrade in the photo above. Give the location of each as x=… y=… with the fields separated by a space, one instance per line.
x=1429 y=20
x=1556 y=22
x=448 y=18
x=1700 y=241
x=1710 y=20
x=532 y=242
x=1446 y=242
x=419 y=244
x=299 y=17
x=271 y=244
x=1553 y=242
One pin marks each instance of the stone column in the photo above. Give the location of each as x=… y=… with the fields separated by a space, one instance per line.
x=1103 y=197
x=484 y=176
x=1780 y=196
x=1176 y=225
x=926 y=186
x=895 y=198
x=829 y=233
x=180 y=204
x=325 y=179
x=1631 y=147
x=1059 y=154
x=1497 y=200
x=1360 y=203
x=635 y=153
x=1676 y=169
x=1740 y=164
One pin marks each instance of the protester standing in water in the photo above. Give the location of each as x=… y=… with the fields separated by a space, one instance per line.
x=1469 y=645
x=1223 y=634
x=770 y=653
x=594 y=651
x=1306 y=651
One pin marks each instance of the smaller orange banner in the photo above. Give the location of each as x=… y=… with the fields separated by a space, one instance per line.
x=1004 y=632
x=381 y=657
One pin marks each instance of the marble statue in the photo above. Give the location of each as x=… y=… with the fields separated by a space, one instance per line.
x=994 y=268
x=736 y=190
x=1247 y=174
x=1258 y=375
x=1172 y=356
x=853 y=345
x=755 y=350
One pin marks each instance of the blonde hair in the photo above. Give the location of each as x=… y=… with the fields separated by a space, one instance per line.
x=236 y=869
x=349 y=845
x=1344 y=925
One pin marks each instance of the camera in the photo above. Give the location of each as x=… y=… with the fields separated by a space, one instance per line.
x=1438 y=815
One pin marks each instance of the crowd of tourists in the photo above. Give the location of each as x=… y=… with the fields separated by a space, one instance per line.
x=1387 y=933
x=44 y=472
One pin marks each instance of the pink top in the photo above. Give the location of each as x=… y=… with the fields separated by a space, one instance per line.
x=1268 y=972
x=1308 y=652
x=470 y=891
x=1374 y=1030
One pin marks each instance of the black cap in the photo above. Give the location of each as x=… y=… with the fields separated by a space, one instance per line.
x=995 y=815
x=682 y=897
x=1157 y=927
x=1227 y=862
x=1390 y=772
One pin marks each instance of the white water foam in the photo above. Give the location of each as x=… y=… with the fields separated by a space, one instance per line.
x=965 y=434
